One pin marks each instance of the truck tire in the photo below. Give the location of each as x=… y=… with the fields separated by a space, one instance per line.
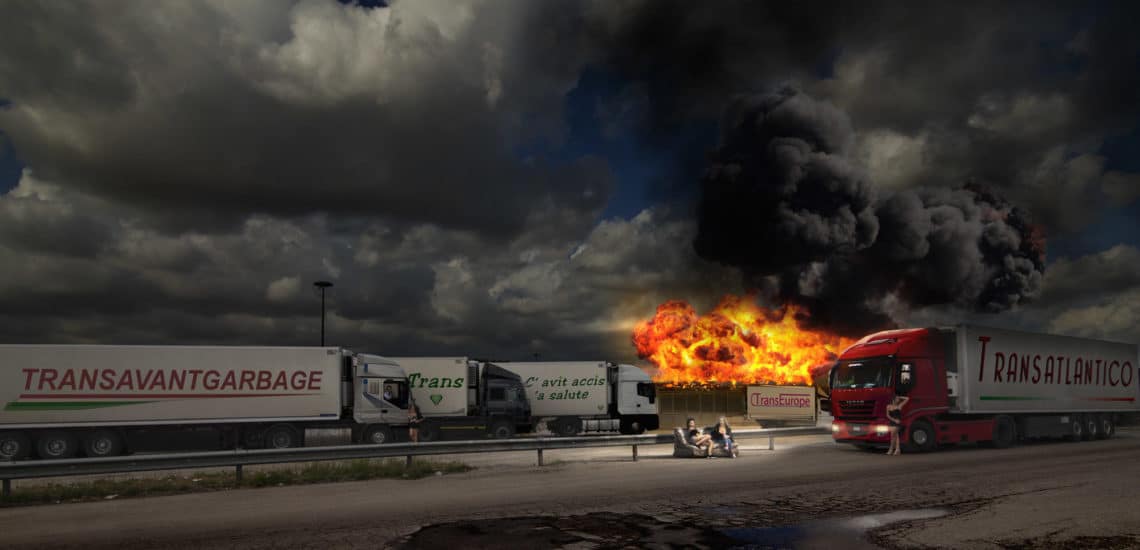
x=568 y=427
x=1005 y=432
x=429 y=432
x=55 y=445
x=1107 y=426
x=376 y=434
x=1092 y=427
x=1076 y=428
x=920 y=437
x=14 y=446
x=631 y=427
x=102 y=443
x=282 y=436
x=502 y=429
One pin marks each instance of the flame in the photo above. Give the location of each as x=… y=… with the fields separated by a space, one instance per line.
x=737 y=342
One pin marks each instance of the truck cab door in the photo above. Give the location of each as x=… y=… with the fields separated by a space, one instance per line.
x=381 y=401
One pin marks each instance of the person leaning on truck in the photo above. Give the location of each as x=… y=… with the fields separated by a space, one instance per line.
x=895 y=420
x=415 y=417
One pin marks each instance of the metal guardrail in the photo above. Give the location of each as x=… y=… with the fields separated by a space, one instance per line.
x=242 y=457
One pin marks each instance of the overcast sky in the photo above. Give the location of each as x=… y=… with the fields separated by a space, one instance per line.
x=506 y=178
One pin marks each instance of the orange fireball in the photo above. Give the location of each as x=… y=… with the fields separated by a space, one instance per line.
x=737 y=342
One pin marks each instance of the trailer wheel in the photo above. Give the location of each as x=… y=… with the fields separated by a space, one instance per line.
x=14 y=446
x=376 y=434
x=1005 y=432
x=101 y=443
x=568 y=427
x=1107 y=427
x=282 y=436
x=1076 y=428
x=920 y=437
x=1092 y=427
x=54 y=445
x=502 y=429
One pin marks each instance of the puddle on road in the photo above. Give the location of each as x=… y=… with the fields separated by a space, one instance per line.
x=846 y=532
x=611 y=530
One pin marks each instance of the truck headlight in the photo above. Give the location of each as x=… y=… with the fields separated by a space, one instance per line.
x=834 y=427
x=882 y=429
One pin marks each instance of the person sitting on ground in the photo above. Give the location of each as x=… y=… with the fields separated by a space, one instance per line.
x=722 y=436
x=696 y=437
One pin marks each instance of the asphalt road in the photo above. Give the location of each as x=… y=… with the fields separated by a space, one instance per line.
x=1047 y=495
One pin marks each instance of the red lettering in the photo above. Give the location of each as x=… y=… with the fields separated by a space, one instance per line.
x=126 y=381
x=194 y=379
x=999 y=364
x=87 y=379
x=247 y=378
x=28 y=378
x=177 y=378
x=1112 y=380
x=1050 y=365
x=315 y=378
x=1036 y=368
x=1069 y=372
x=1011 y=372
x=1079 y=371
x=1024 y=374
x=298 y=385
x=68 y=379
x=1126 y=367
x=1088 y=372
x=144 y=381
x=1099 y=372
x=281 y=382
x=48 y=376
x=264 y=379
x=982 y=363
x=230 y=381
x=210 y=379
x=107 y=380
x=159 y=382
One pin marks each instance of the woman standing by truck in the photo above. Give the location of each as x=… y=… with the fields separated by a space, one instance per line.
x=894 y=418
x=415 y=417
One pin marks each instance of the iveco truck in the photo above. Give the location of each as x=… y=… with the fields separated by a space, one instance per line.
x=572 y=397
x=978 y=384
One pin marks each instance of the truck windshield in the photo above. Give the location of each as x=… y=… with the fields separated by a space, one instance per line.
x=874 y=372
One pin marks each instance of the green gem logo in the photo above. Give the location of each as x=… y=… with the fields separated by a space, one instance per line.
x=436 y=398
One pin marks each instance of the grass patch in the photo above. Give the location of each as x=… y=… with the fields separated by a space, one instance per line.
x=317 y=472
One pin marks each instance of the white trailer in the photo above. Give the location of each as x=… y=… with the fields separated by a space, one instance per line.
x=588 y=396
x=60 y=401
x=782 y=405
x=1005 y=371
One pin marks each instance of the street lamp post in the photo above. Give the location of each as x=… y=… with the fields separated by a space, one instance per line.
x=322 y=285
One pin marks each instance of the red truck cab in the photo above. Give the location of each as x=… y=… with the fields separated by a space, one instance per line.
x=910 y=362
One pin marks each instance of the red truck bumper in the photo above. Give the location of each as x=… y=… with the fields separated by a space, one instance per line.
x=864 y=432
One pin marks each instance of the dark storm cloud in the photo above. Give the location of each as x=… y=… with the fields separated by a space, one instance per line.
x=1000 y=93
x=205 y=133
x=210 y=160
x=781 y=199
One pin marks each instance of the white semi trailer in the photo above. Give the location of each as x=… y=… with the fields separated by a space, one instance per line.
x=588 y=396
x=60 y=401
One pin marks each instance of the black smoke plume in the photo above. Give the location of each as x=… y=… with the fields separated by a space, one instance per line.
x=782 y=201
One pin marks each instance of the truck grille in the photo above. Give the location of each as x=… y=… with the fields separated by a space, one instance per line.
x=857 y=409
